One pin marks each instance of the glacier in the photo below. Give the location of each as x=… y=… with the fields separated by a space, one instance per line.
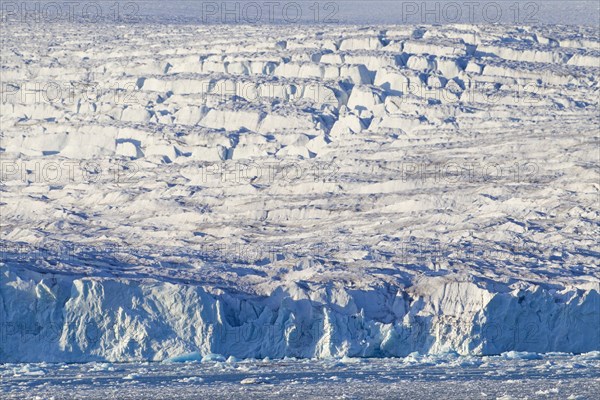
x=69 y=319
x=176 y=192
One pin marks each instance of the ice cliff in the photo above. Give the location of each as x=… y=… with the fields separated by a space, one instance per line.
x=62 y=318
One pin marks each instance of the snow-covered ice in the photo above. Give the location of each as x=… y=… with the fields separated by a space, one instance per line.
x=305 y=194
x=509 y=376
x=200 y=195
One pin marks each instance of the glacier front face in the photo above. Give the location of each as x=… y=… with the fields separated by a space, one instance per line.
x=303 y=191
x=85 y=319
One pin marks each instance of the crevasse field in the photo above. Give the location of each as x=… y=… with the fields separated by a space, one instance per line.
x=353 y=204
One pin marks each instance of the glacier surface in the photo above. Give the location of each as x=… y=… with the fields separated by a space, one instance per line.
x=183 y=192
